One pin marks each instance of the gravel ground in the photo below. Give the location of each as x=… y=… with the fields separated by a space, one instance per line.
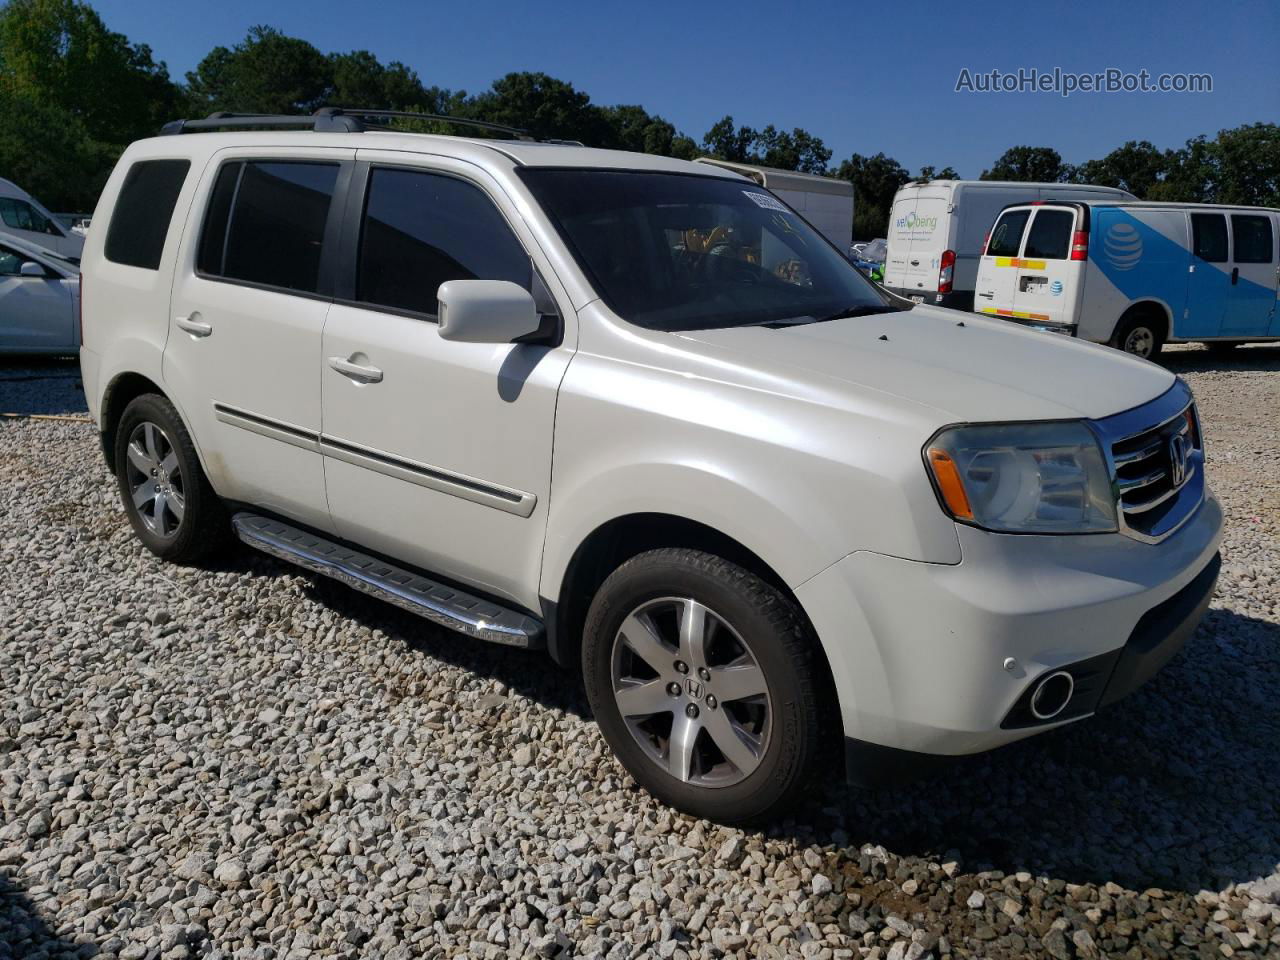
x=248 y=762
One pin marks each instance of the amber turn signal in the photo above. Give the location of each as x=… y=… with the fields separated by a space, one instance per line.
x=947 y=475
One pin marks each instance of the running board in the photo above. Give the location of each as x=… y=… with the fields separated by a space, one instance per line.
x=446 y=606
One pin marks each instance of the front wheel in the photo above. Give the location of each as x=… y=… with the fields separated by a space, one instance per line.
x=168 y=500
x=707 y=683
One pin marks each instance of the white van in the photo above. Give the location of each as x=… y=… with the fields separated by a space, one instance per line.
x=22 y=216
x=1135 y=275
x=827 y=203
x=936 y=232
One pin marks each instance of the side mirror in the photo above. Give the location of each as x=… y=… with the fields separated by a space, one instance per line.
x=485 y=311
x=32 y=269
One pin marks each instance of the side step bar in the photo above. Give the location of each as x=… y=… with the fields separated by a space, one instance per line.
x=447 y=606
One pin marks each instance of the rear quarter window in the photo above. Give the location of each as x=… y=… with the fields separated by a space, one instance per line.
x=143 y=210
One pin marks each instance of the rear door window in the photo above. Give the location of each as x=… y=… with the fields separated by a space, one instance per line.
x=1209 y=236
x=422 y=229
x=266 y=221
x=1006 y=236
x=1251 y=237
x=140 y=220
x=1050 y=235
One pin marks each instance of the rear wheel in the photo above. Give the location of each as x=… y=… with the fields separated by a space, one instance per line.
x=165 y=493
x=706 y=682
x=1141 y=334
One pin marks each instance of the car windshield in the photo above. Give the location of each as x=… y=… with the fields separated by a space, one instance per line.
x=671 y=251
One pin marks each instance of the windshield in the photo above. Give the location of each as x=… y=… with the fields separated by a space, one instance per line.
x=672 y=251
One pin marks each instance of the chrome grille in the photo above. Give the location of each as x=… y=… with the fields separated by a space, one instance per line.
x=1157 y=464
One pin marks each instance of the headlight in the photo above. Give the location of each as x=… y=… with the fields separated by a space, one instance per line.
x=1023 y=478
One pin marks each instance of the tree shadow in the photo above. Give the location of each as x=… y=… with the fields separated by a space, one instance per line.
x=47 y=386
x=1118 y=796
x=1248 y=357
x=24 y=933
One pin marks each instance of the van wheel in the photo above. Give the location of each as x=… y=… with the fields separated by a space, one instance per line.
x=706 y=683
x=167 y=497
x=1140 y=335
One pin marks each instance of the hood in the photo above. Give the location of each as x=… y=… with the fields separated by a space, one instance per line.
x=964 y=366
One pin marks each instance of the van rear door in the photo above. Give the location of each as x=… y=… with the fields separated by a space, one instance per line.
x=928 y=236
x=1048 y=281
x=899 y=241
x=998 y=270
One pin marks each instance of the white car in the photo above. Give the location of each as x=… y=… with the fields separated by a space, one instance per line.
x=638 y=412
x=39 y=299
x=21 y=215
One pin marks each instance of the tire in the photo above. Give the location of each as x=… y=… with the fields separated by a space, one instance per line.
x=173 y=510
x=1140 y=334
x=774 y=738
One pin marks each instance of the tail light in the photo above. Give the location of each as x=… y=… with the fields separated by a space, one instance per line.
x=947 y=271
x=1080 y=245
x=986 y=241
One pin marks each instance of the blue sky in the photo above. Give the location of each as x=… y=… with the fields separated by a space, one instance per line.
x=864 y=77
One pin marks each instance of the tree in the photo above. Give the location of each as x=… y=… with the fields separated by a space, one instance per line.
x=1246 y=165
x=59 y=53
x=1028 y=164
x=266 y=73
x=875 y=181
x=358 y=79
x=928 y=173
x=1137 y=167
x=548 y=108
x=770 y=147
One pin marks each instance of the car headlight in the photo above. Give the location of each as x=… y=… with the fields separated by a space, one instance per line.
x=1023 y=477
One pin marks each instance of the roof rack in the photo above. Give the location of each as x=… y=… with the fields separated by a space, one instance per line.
x=326 y=120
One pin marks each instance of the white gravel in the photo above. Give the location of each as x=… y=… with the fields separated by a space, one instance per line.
x=248 y=762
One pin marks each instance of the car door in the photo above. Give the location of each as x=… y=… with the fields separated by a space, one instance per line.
x=437 y=453
x=250 y=294
x=1047 y=280
x=925 y=229
x=1252 y=297
x=1208 y=280
x=998 y=269
x=37 y=314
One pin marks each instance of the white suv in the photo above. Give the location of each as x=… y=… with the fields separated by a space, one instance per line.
x=638 y=412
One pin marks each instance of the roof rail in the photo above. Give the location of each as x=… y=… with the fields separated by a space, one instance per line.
x=325 y=120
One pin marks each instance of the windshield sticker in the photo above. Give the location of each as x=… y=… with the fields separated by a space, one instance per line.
x=766 y=201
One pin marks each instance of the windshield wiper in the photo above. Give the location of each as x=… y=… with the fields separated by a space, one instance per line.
x=864 y=310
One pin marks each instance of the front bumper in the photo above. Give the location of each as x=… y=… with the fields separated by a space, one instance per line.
x=936 y=658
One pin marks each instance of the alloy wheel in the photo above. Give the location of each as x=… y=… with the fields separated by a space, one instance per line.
x=691 y=692
x=1140 y=342
x=156 y=484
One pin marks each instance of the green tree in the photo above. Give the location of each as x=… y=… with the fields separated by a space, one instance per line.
x=1137 y=166
x=61 y=54
x=548 y=108
x=770 y=147
x=1028 y=164
x=358 y=79
x=929 y=172
x=1246 y=165
x=725 y=141
x=268 y=72
x=875 y=181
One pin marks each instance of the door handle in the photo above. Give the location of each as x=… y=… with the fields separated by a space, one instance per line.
x=1235 y=275
x=989 y=296
x=915 y=263
x=356 y=371
x=194 y=325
